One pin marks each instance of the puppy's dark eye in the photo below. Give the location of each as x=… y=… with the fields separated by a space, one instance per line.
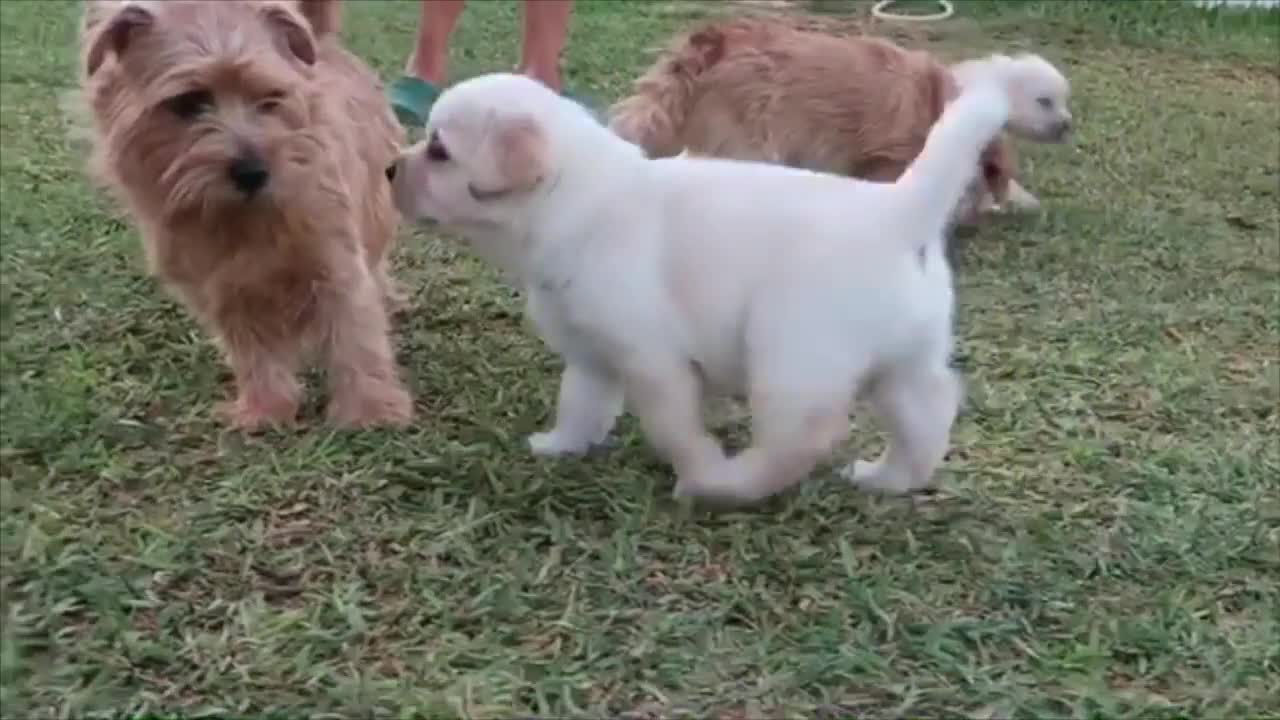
x=271 y=102
x=190 y=105
x=436 y=151
x=1045 y=102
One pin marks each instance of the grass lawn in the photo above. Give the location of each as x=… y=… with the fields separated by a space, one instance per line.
x=1106 y=542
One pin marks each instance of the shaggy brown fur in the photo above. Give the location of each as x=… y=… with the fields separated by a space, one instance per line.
x=249 y=147
x=765 y=90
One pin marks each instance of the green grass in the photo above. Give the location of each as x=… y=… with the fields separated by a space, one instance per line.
x=1106 y=542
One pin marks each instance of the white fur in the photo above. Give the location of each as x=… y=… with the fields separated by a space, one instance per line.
x=1039 y=96
x=1039 y=93
x=659 y=280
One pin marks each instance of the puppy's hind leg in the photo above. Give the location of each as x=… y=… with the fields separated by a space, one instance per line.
x=918 y=406
x=667 y=397
x=363 y=378
x=794 y=427
x=589 y=403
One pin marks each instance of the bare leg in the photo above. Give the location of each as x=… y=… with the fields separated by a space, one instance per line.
x=430 y=60
x=918 y=407
x=589 y=404
x=363 y=379
x=546 y=29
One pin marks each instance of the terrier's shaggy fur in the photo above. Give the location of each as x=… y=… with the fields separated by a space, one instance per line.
x=769 y=90
x=249 y=147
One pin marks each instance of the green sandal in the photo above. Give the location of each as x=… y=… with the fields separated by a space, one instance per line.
x=411 y=99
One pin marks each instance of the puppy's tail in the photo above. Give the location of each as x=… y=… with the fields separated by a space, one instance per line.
x=654 y=115
x=937 y=180
x=324 y=16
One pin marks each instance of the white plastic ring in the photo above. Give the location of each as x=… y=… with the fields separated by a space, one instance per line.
x=878 y=11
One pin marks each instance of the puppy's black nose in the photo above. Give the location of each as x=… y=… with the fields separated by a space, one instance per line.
x=1064 y=128
x=391 y=172
x=248 y=173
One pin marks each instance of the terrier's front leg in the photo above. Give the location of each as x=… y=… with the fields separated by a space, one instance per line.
x=364 y=380
x=589 y=404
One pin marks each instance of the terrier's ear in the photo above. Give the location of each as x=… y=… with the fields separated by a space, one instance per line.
x=324 y=15
x=522 y=155
x=115 y=35
x=291 y=32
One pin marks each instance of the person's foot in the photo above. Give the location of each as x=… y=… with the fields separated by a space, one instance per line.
x=411 y=99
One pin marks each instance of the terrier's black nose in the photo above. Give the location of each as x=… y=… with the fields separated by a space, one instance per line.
x=248 y=173
x=391 y=172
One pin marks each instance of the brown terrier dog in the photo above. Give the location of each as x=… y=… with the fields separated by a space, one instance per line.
x=249 y=148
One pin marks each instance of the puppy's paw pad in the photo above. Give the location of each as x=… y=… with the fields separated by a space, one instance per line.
x=553 y=444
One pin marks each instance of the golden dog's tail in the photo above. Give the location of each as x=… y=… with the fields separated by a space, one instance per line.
x=653 y=116
x=325 y=16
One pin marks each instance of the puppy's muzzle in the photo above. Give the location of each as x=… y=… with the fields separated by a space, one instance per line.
x=248 y=173
x=1062 y=130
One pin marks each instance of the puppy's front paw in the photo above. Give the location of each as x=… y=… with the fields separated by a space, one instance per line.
x=718 y=489
x=878 y=478
x=558 y=444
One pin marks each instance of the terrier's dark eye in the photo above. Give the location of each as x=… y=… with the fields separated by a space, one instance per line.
x=271 y=101
x=1045 y=102
x=436 y=151
x=191 y=104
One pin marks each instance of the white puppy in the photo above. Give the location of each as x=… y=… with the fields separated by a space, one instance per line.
x=659 y=279
x=1039 y=93
x=1039 y=96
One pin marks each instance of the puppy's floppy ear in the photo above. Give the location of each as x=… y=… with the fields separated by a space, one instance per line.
x=522 y=157
x=291 y=32
x=115 y=34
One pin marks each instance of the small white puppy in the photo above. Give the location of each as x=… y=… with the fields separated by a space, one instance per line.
x=659 y=279
x=1039 y=93
x=1040 y=97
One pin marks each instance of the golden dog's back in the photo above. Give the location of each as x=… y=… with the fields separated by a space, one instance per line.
x=760 y=89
